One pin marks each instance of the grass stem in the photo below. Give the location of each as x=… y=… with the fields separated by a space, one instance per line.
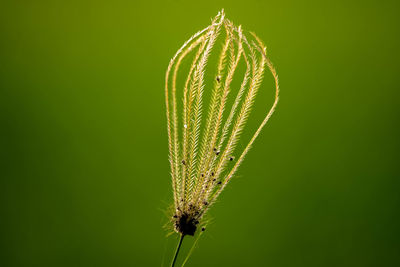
x=177 y=250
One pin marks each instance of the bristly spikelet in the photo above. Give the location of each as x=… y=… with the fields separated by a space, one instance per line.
x=201 y=150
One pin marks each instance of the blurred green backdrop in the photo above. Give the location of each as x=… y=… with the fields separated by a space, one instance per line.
x=84 y=175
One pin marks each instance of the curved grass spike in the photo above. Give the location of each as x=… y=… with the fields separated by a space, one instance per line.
x=202 y=156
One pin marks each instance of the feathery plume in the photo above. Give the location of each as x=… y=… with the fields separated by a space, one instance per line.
x=201 y=149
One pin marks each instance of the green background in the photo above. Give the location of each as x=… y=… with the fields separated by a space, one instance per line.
x=84 y=175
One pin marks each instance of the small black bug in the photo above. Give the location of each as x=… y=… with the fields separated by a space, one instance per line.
x=203 y=229
x=219 y=182
x=218 y=78
x=230 y=158
x=183 y=162
x=205 y=203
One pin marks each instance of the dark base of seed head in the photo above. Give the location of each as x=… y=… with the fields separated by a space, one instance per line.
x=186 y=224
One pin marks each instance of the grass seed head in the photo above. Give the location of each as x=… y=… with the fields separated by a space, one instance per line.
x=206 y=136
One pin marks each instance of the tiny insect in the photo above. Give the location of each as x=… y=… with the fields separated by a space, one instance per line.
x=219 y=182
x=205 y=203
x=231 y=158
x=183 y=162
x=203 y=229
x=218 y=78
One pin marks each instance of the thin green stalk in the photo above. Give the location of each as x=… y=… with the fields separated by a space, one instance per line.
x=177 y=250
x=192 y=248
